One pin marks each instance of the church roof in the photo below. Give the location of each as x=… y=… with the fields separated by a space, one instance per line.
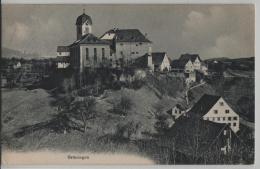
x=83 y=18
x=128 y=35
x=203 y=106
x=89 y=39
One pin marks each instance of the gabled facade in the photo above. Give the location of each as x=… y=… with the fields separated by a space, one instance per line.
x=187 y=63
x=215 y=109
x=221 y=112
x=89 y=51
x=155 y=61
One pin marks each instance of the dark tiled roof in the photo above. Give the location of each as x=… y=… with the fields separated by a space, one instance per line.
x=128 y=35
x=157 y=58
x=63 y=49
x=90 y=39
x=83 y=18
x=184 y=58
x=207 y=134
x=203 y=105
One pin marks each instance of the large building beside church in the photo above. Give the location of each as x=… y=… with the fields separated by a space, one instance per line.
x=114 y=48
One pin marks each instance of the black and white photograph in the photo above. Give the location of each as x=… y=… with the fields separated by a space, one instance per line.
x=160 y=84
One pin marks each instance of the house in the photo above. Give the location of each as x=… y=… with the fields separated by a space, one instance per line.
x=155 y=61
x=17 y=65
x=215 y=108
x=63 y=57
x=127 y=44
x=201 y=139
x=62 y=62
x=63 y=51
x=187 y=63
x=190 y=77
x=177 y=111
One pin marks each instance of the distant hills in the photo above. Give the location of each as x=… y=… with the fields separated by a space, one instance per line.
x=10 y=53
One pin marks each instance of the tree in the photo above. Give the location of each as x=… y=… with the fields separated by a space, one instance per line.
x=84 y=111
x=123 y=106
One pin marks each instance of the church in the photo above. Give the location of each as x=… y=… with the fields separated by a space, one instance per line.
x=115 y=48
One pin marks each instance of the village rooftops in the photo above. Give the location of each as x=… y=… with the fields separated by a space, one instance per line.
x=89 y=39
x=184 y=58
x=203 y=106
x=127 y=35
x=63 y=49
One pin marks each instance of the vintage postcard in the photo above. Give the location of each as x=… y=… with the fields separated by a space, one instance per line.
x=128 y=84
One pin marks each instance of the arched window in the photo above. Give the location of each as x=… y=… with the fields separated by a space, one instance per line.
x=87 y=54
x=95 y=55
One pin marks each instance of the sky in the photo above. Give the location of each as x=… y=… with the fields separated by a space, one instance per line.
x=208 y=30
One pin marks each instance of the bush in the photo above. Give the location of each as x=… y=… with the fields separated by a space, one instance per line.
x=122 y=106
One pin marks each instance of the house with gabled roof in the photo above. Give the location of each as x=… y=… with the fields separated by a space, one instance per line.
x=127 y=44
x=216 y=109
x=177 y=111
x=155 y=61
x=198 y=138
x=189 y=63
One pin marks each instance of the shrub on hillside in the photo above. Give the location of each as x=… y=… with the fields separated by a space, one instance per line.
x=122 y=106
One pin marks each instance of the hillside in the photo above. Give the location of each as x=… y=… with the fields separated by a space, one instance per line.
x=11 y=53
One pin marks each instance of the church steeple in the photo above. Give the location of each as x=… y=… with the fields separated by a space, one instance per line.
x=84 y=25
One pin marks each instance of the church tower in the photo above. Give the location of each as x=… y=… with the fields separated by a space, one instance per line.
x=84 y=25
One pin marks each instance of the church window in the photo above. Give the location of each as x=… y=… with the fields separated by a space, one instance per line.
x=235 y=118
x=87 y=54
x=95 y=54
x=103 y=52
x=221 y=103
x=229 y=118
x=216 y=111
x=227 y=111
